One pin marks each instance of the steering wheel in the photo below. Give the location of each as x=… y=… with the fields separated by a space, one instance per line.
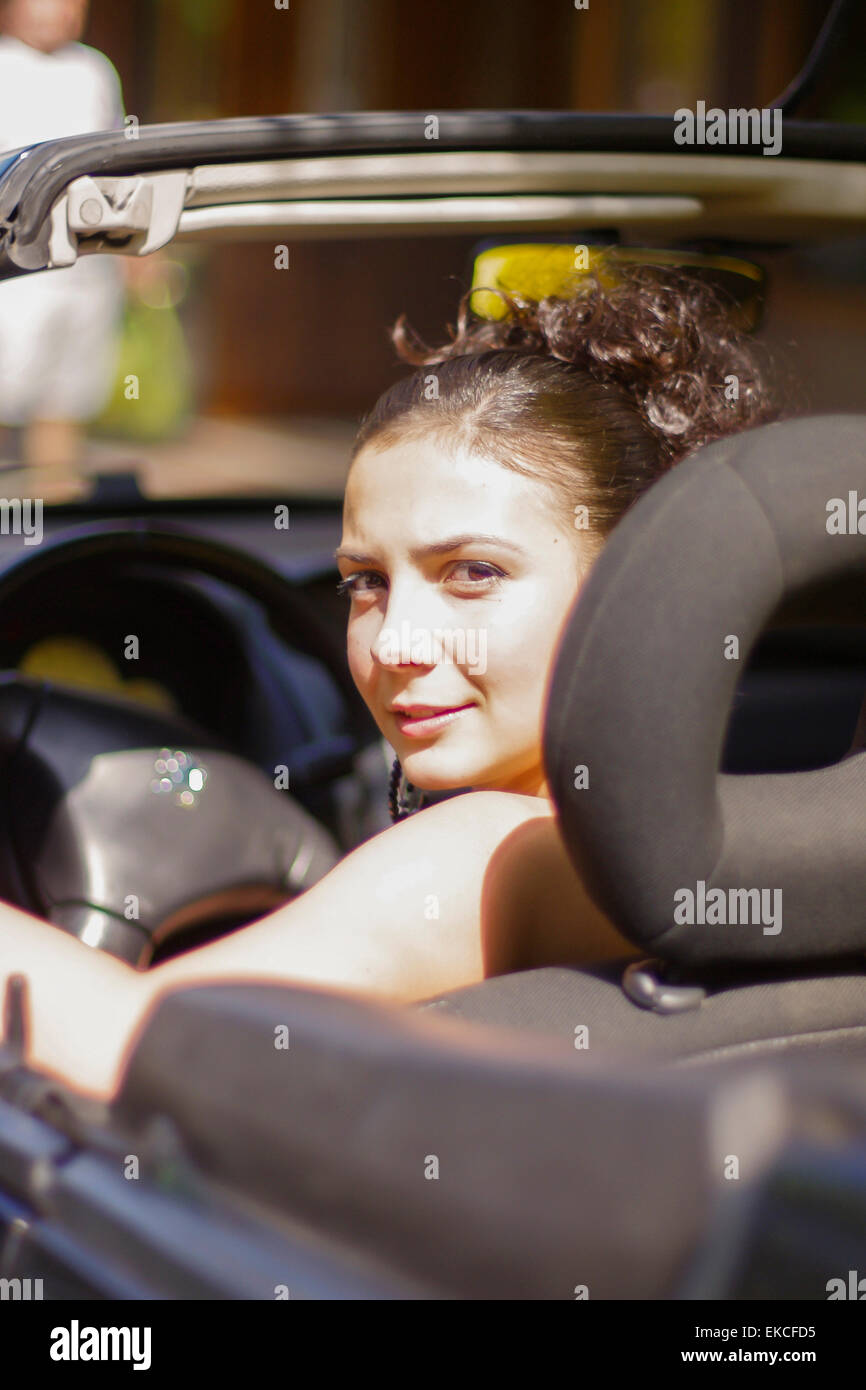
x=122 y=824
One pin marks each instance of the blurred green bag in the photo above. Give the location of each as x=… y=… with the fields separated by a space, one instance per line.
x=153 y=391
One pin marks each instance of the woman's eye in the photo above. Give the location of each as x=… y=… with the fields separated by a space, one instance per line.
x=477 y=574
x=474 y=575
x=355 y=583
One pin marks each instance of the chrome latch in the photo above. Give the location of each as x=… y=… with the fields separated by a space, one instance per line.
x=644 y=984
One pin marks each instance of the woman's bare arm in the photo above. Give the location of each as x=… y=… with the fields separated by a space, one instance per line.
x=471 y=887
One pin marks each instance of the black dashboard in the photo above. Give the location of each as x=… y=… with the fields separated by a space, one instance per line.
x=203 y=648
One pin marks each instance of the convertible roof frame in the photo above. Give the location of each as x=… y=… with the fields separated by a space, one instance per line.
x=818 y=184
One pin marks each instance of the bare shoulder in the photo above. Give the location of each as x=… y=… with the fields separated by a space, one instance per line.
x=465 y=829
x=532 y=905
x=495 y=810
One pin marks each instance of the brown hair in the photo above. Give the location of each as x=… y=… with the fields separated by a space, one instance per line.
x=596 y=394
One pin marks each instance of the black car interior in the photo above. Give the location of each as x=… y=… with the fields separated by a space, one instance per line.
x=86 y=775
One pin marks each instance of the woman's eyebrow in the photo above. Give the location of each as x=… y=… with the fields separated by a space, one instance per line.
x=443 y=547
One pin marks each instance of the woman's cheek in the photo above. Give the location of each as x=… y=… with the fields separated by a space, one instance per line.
x=513 y=630
x=358 y=656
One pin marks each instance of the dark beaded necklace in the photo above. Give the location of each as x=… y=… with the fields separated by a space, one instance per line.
x=403 y=798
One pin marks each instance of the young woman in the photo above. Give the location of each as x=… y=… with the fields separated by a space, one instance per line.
x=480 y=491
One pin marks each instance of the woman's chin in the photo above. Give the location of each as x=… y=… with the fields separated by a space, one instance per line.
x=430 y=772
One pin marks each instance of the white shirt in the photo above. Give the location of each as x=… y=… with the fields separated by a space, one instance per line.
x=57 y=354
x=44 y=96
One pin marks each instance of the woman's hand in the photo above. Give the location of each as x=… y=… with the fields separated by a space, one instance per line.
x=82 y=1005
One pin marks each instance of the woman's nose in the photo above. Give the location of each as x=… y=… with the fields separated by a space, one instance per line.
x=406 y=637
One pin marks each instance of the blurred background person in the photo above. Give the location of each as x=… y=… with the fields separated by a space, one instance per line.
x=58 y=330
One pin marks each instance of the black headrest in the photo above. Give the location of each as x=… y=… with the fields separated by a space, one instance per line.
x=688 y=861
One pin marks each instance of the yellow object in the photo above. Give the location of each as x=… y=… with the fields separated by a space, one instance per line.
x=75 y=662
x=539 y=271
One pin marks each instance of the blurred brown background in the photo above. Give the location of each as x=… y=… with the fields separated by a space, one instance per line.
x=320 y=345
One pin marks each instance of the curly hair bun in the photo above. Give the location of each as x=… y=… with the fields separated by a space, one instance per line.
x=674 y=339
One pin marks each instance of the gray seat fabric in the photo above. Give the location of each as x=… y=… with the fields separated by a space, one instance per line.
x=731 y=539
x=481 y=1164
x=740 y=1017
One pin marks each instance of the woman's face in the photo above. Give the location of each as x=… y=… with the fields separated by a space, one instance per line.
x=461 y=574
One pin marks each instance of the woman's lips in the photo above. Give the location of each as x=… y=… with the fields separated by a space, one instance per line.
x=424 y=725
